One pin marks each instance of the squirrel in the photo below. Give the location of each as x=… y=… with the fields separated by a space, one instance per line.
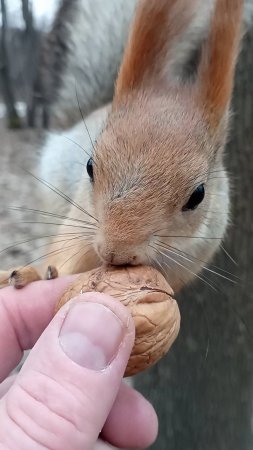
x=155 y=190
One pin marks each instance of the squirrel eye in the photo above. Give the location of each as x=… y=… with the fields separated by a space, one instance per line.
x=195 y=199
x=89 y=168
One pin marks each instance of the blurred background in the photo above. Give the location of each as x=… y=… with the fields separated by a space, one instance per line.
x=202 y=390
x=24 y=24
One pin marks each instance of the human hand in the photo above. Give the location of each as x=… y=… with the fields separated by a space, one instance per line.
x=70 y=387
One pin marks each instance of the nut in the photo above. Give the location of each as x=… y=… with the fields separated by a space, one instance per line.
x=147 y=294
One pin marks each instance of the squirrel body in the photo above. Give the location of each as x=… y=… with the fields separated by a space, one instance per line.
x=152 y=150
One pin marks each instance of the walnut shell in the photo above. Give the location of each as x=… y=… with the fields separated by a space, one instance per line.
x=147 y=294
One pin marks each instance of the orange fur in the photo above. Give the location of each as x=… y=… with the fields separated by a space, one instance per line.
x=153 y=153
x=219 y=55
x=157 y=25
x=158 y=145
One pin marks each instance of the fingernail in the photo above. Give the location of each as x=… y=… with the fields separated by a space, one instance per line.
x=91 y=335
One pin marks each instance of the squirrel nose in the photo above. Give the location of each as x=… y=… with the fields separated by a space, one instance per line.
x=120 y=260
x=115 y=258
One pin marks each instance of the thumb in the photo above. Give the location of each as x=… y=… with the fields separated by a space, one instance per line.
x=66 y=389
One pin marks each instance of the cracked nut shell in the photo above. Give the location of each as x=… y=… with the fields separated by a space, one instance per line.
x=149 y=297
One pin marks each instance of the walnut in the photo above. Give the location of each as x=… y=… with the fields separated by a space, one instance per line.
x=149 y=297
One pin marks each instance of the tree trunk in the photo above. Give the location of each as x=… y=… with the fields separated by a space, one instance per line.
x=12 y=115
x=27 y=16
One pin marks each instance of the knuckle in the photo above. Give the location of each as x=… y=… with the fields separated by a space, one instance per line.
x=44 y=412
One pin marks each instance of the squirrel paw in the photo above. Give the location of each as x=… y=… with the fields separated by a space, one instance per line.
x=22 y=276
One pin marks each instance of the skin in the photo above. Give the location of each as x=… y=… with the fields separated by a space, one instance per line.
x=55 y=402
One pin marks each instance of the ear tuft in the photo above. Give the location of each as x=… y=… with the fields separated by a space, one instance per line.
x=218 y=61
x=158 y=24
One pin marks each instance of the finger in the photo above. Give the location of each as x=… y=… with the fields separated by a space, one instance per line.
x=24 y=314
x=132 y=421
x=67 y=386
x=6 y=384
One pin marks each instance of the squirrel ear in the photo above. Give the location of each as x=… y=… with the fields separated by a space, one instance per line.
x=158 y=24
x=218 y=60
